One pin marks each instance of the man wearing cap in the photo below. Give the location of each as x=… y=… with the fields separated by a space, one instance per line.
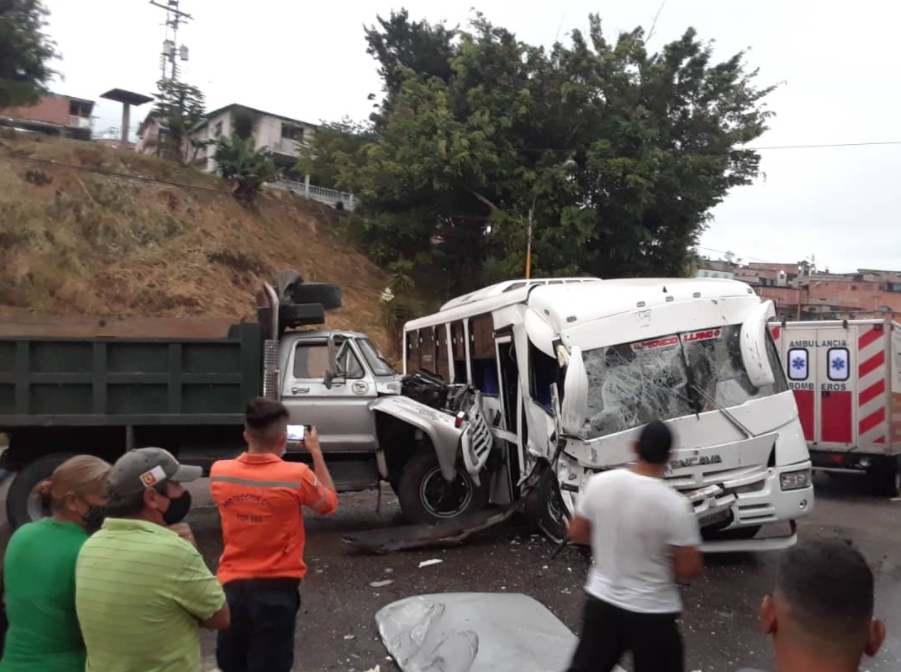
x=142 y=591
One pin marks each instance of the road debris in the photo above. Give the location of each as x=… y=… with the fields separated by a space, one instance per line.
x=429 y=563
x=477 y=632
x=446 y=533
x=381 y=584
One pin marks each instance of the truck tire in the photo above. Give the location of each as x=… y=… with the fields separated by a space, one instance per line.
x=544 y=508
x=425 y=497
x=23 y=505
x=887 y=476
x=327 y=294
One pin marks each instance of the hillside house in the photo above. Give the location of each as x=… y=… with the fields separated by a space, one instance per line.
x=280 y=135
x=54 y=114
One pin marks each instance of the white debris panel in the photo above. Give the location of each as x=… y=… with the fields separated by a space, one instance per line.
x=474 y=632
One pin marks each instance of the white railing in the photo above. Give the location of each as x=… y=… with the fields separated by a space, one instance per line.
x=330 y=196
x=79 y=122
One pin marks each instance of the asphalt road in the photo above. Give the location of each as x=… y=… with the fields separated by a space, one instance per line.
x=337 y=629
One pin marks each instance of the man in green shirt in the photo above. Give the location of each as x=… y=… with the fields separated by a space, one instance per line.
x=141 y=591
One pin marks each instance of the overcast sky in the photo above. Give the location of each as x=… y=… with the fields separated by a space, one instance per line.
x=838 y=64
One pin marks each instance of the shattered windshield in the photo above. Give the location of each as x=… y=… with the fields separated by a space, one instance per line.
x=668 y=377
x=377 y=362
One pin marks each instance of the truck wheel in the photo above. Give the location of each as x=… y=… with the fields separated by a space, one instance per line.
x=23 y=504
x=888 y=477
x=425 y=497
x=327 y=294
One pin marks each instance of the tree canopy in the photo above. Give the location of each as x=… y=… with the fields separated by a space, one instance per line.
x=25 y=52
x=180 y=107
x=621 y=153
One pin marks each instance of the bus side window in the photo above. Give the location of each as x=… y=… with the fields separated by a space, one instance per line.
x=412 y=354
x=543 y=372
x=442 y=368
x=484 y=357
x=458 y=345
x=427 y=349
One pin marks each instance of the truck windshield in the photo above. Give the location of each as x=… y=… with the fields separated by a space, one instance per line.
x=377 y=362
x=631 y=384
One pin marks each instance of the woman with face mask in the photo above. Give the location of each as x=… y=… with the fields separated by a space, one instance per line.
x=39 y=571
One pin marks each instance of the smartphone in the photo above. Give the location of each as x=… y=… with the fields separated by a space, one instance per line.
x=297 y=433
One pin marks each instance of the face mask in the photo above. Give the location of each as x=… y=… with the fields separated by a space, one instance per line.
x=178 y=508
x=93 y=518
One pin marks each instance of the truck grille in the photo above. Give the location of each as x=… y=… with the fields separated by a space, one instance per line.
x=270 y=369
x=479 y=433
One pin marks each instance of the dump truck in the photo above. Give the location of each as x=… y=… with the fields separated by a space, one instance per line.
x=104 y=386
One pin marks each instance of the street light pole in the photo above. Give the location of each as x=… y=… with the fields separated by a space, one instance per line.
x=529 y=246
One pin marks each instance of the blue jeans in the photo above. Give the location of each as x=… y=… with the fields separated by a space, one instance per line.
x=260 y=637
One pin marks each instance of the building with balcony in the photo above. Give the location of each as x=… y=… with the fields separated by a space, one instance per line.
x=53 y=114
x=280 y=135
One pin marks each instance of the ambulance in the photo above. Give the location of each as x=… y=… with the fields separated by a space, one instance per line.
x=846 y=378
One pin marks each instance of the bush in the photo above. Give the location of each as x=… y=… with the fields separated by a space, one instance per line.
x=246 y=166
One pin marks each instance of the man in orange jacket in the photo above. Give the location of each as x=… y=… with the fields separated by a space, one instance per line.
x=259 y=496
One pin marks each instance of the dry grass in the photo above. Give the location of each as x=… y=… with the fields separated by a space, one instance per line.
x=78 y=243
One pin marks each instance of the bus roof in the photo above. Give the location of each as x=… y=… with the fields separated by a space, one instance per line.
x=568 y=301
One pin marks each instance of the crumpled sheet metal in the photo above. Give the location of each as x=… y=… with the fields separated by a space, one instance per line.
x=474 y=632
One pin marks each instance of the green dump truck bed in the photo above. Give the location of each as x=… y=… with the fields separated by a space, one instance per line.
x=180 y=373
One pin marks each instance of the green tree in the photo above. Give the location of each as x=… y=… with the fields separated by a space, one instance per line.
x=179 y=107
x=334 y=154
x=25 y=52
x=401 y=45
x=459 y=157
x=246 y=166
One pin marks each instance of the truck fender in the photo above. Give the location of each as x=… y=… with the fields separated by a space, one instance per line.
x=439 y=427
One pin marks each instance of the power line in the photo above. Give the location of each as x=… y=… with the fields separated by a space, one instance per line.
x=708 y=249
x=828 y=145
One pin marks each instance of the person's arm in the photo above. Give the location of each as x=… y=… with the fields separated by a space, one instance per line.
x=684 y=541
x=218 y=621
x=579 y=531
x=687 y=562
x=199 y=593
x=184 y=531
x=311 y=441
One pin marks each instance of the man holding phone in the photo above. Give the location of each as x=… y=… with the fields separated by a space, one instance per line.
x=259 y=496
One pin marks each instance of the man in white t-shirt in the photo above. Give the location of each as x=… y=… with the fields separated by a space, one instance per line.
x=644 y=536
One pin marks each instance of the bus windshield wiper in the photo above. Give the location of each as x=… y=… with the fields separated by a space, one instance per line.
x=735 y=421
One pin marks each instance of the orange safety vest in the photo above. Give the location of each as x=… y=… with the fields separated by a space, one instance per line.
x=259 y=498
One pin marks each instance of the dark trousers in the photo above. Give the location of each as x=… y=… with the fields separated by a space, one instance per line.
x=608 y=632
x=260 y=637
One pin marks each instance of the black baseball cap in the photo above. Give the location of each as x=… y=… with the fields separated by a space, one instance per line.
x=143 y=468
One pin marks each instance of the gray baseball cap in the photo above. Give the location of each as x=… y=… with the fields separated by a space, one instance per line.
x=143 y=468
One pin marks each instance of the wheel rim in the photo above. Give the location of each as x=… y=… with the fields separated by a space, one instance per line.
x=442 y=499
x=35 y=504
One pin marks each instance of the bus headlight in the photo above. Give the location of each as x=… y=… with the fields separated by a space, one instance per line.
x=795 y=480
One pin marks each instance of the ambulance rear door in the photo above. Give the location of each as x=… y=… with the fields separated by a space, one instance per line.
x=821 y=366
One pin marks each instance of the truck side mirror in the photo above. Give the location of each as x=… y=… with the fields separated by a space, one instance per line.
x=574 y=407
x=753 y=345
x=335 y=366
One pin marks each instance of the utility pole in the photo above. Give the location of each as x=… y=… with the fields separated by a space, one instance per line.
x=172 y=51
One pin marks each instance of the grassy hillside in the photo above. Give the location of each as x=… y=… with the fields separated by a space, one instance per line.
x=74 y=242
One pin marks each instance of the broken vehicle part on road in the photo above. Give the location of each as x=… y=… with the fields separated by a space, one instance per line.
x=474 y=632
x=446 y=533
